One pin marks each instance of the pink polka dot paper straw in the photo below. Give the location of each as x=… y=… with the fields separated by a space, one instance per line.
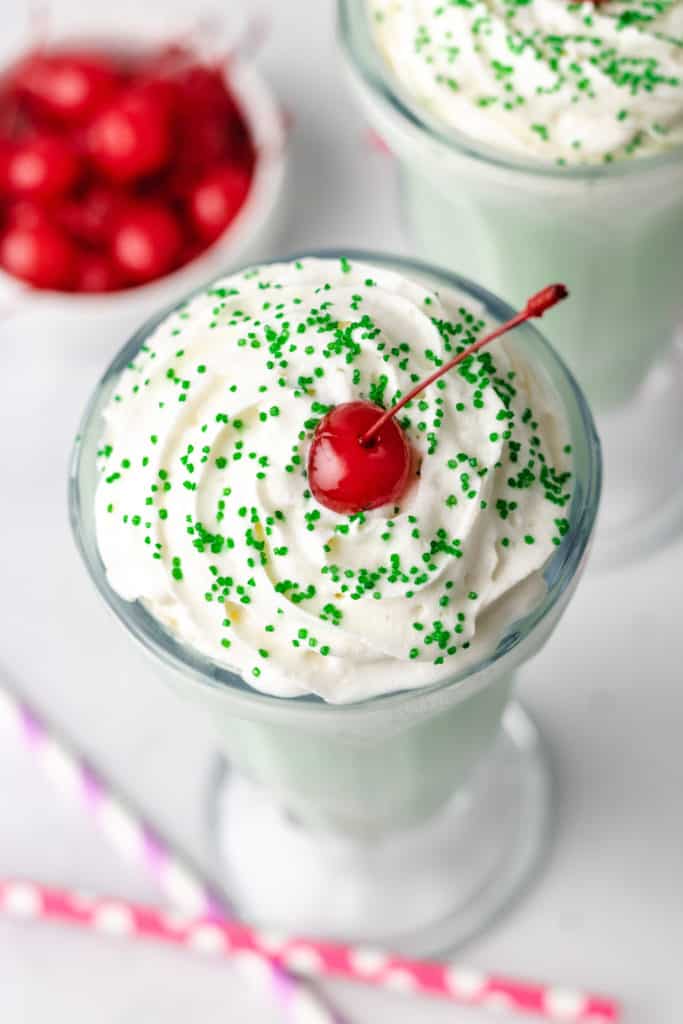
x=253 y=952
x=139 y=844
x=205 y=927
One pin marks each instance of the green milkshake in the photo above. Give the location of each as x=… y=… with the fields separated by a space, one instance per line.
x=357 y=667
x=544 y=139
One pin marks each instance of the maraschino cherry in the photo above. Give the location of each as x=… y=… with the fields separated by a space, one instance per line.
x=66 y=86
x=216 y=198
x=347 y=476
x=131 y=138
x=92 y=216
x=42 y=168
x=360 y=457
x=146 y=241
x=40 y=254
x=96 y=273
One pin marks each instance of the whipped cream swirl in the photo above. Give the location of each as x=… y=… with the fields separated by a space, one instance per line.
x=547 y=79
x=203 y=510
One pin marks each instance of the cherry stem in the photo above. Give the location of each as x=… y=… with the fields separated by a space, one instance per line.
x=536 y=306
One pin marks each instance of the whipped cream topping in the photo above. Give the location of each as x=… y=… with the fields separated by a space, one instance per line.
x=547 y=79
x=204 y=514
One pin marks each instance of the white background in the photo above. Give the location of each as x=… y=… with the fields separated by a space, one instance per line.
x=606 y=913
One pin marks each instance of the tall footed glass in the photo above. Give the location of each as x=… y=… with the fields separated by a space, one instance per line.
x=613 y=233
x=408 y=819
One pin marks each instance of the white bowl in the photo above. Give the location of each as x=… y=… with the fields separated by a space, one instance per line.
x=108 y=318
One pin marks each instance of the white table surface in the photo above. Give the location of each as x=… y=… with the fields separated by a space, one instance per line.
x=606 y=913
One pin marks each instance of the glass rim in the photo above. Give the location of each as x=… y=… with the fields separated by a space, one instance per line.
x=378 y=77
x=561 y=566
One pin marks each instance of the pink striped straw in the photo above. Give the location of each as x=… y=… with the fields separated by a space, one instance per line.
x=206 y=928
x=137 y=842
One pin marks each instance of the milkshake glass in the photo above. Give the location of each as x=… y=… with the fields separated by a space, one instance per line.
x=613 y=232
x=409 y=818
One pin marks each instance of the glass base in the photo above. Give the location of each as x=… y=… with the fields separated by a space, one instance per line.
x=420 y=891
x=642 y=505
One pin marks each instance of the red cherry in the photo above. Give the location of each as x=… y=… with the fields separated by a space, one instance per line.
x=42 y=168
x=347 y=477
x=13 y=121
x=211 y=128
x=66 y=86
x=215 y=200
x=97 y=273
x=131 y=137
x=205 y=142
x=146 y=242
x=92 y=217
x=41 y=255
x=24 y=213
x=203 y=90
x=191 y=251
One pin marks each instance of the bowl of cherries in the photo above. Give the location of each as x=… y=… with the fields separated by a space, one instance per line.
x=130 y=174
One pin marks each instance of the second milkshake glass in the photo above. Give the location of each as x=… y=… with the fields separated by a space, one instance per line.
x=409 y=819
x=613 y=233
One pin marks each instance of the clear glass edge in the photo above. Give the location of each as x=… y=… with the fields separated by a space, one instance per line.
x=559 y=571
